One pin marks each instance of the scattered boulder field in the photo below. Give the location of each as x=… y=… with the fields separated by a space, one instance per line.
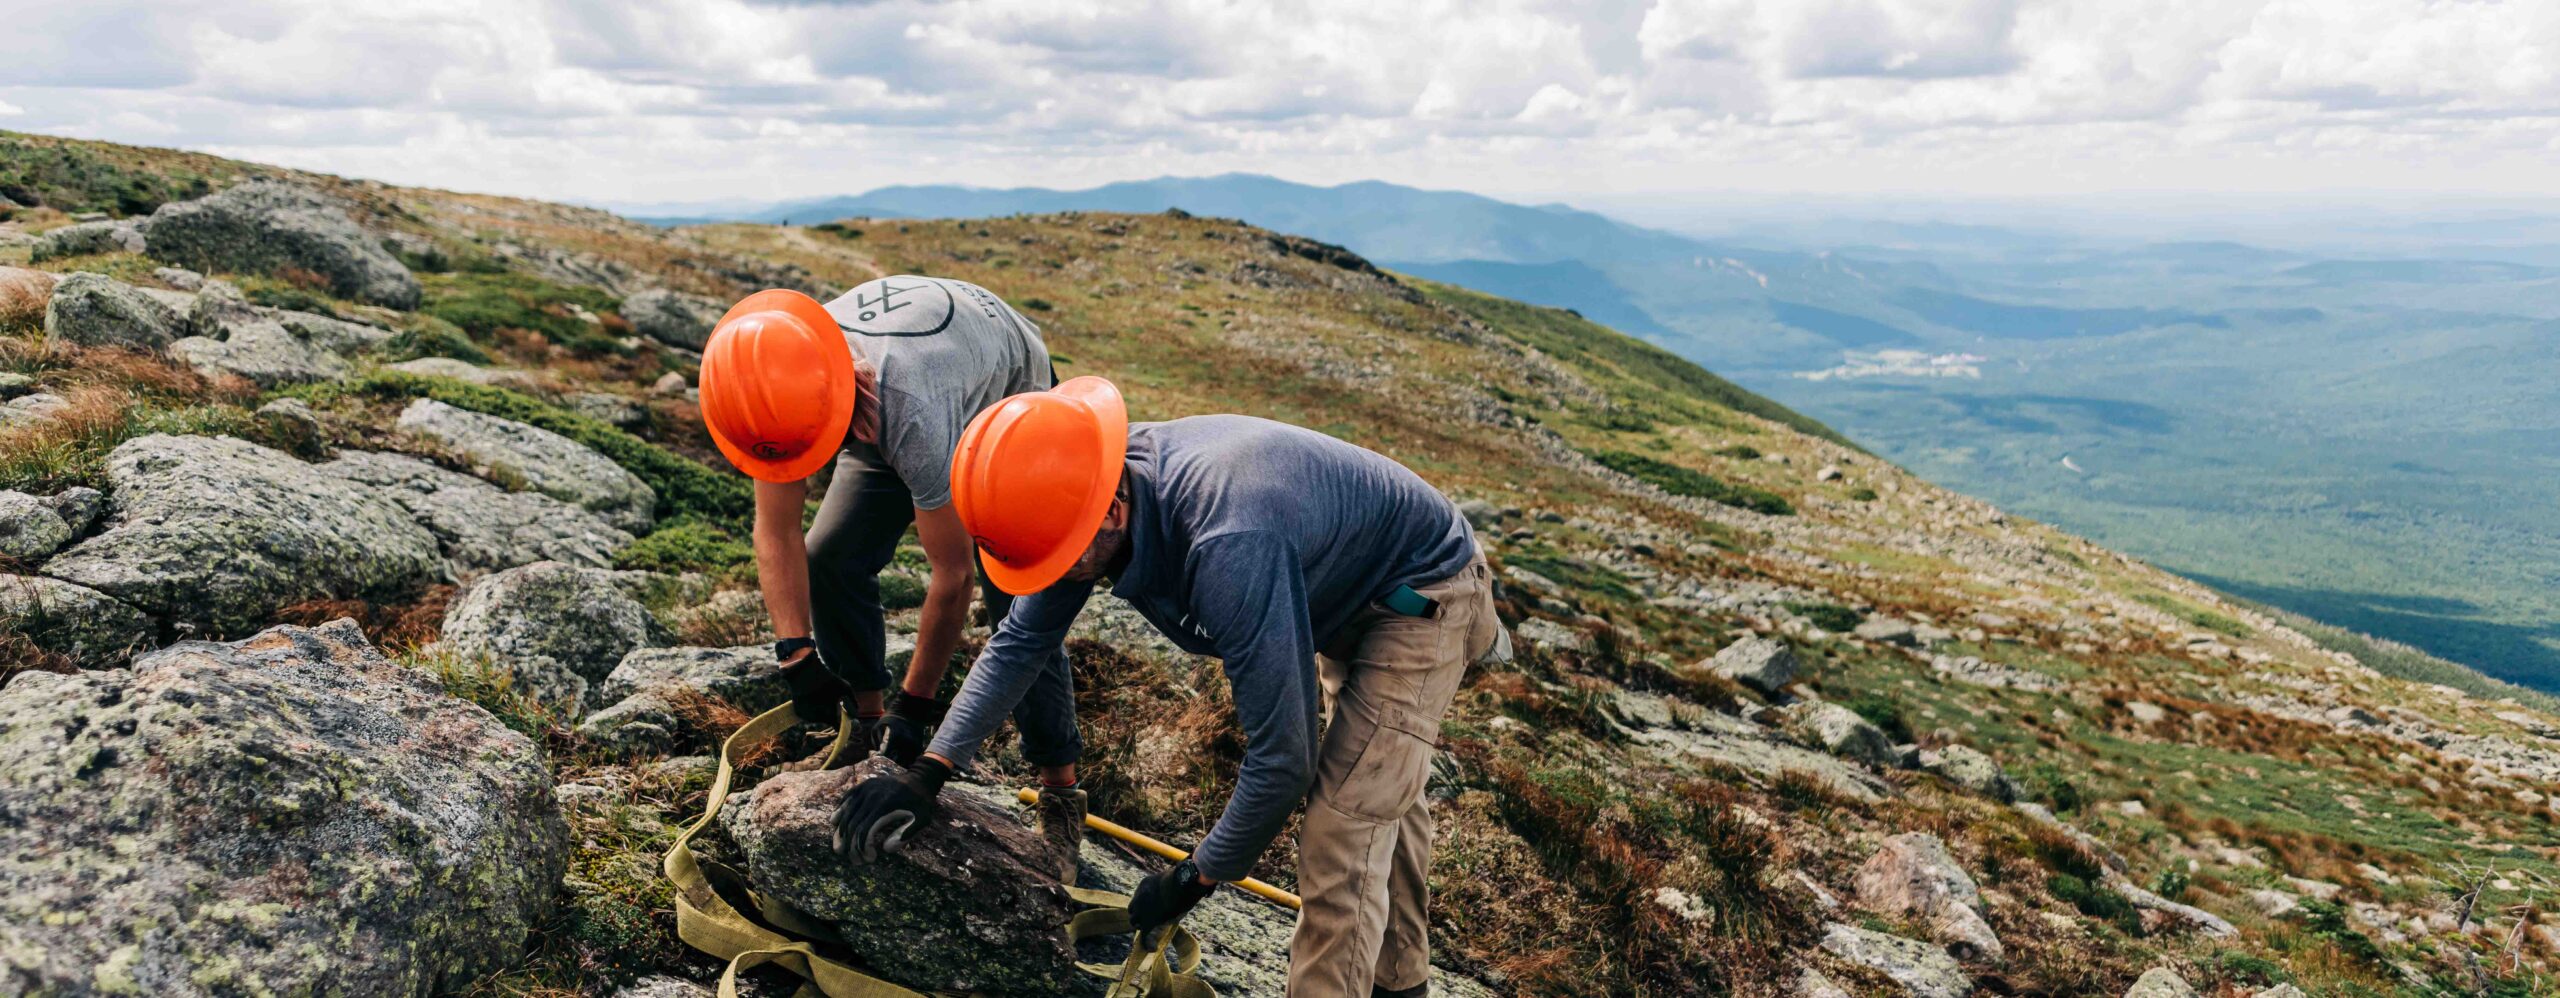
x=371 y=605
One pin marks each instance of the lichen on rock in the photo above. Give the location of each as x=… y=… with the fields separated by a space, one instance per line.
x=289 y=814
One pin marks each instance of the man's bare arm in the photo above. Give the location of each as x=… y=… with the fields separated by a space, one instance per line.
x=952 y=554
x=782 y=556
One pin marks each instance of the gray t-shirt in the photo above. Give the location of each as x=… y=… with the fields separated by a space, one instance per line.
x=946 y=350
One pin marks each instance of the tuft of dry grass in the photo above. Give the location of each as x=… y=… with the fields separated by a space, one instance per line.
x=23 y=294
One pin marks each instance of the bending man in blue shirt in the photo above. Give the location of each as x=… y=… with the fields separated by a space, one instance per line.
x=1267 y=546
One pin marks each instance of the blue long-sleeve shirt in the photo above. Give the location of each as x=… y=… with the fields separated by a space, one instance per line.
x=1255 y=542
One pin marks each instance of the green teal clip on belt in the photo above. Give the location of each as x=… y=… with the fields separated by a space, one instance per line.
x=1409 y=603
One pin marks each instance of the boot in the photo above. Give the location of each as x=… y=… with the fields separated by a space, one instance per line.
x=1061 y=814
x=1422 y=990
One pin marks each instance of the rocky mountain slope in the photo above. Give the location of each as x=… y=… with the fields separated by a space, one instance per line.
x=367 y=571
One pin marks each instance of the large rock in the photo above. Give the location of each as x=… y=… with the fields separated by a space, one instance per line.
x=1913 y=876
x=970 y=903
x=1764 y=664
x=1965 y=767
x=553 y=464
x=1841 y=732
x=1923 y=970
x=673 y=317
x=265 y=226
x=84 y=238
x=561 y=628
x=647 y=690
x=483 y=527
x=222 y=532
x=93 y=310
x=2160 y=982
x=291 y=814
x=271 y=347
x=747 y=677
x=29 y=527
x=82 y=624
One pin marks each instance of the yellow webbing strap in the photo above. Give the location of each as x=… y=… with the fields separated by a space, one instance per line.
x=706 y=921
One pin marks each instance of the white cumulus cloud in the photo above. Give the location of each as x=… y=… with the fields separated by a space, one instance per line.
x=704 y=99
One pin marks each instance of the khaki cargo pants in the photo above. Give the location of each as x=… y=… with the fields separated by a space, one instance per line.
x=1364 y=850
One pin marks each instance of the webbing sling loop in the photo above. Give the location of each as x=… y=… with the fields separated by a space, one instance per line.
x=1159 y=967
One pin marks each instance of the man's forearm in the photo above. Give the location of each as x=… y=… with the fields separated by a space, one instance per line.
x=782 y=559
x=946 y=609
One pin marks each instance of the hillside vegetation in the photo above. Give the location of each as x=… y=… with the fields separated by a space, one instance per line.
x=1766 y=680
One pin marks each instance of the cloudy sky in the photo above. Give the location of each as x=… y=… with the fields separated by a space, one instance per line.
x=651 y=100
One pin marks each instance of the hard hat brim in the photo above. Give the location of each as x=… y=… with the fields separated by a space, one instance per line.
x=839 y=363
x=1112 y=448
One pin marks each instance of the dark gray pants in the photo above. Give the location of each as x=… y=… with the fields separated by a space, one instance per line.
x=866 y=511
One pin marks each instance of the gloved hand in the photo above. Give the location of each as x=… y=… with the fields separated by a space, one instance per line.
x=908 y=726
x=875 y=818
x=816 y=693
x=1163 y=898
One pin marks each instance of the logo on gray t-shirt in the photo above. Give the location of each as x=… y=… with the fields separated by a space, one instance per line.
x=896 y=306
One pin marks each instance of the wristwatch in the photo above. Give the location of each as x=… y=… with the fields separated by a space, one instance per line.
x=787 y=647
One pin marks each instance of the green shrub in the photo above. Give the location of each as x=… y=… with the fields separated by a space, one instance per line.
x=1881 y=711
x=1828 y=616
x=2196 y=615
x=286 y=296
x=685 y=488
x=1037 y=305
x=1863 y=494
x=2097 y=902
x=2172 y=883
x=900 y=590
x=2251 y=969
x=687 y=545
x=2047 y=782
x=837 y=229
x=483 y=303
x=428 y=336
x=76 y=177
x=2327 y=921
x=1744 y=452
x=1681 y=481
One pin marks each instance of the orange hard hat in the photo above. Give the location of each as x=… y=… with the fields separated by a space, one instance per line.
x=1033 y=476
x=778 y=385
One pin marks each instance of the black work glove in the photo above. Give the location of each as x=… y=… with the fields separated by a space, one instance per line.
x=877 y=815
x=816 y=693
x=907 y=726
x=1163 y=898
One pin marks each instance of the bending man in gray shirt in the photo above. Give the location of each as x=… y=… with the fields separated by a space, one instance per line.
x=1265 y=545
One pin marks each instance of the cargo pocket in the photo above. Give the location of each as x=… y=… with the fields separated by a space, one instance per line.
x=1387 y=772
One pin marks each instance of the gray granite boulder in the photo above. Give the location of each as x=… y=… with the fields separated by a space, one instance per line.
x=93 y=310
x=673 y=317
x=87 y=626
x=222 y=532
x=78 y=506
x=1841 y=732
x=292 y=814
x=970 y=902
x=264 y=226
x=560 y=628
x=1913 y=876
x=1972 y=770
x=552 y=464
x=269 y=346
x=2160 y=982
x=30 y=529
x=646 y=690
x=1764 y=664
x=482 y=527
x=1921 y=969
x=84 y=238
